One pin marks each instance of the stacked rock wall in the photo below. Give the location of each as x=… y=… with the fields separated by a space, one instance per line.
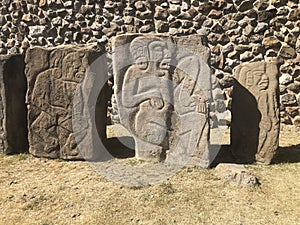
x=238 y=31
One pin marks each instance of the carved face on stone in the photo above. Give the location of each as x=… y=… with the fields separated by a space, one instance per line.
x=264 y=82
x=154 y=57
x=139 y=53
x=160 y=53
x=257 y=79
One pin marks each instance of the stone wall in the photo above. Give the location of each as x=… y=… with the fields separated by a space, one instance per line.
x=238 y=31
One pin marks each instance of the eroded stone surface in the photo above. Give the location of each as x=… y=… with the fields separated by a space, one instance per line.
x=54 y=76
x=236 y=174
x=13 y=126
x=255 y=112
x=162 y=89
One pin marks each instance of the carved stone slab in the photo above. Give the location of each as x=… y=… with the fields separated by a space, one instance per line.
x=54 y=76
x=162 y=88
x=13 y=126
x=255 y=112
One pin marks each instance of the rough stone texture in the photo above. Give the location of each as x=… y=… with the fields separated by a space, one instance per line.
x=54 y=76
x=165 y=108
x=236 y=174
x=267 y=28
x=13 y=123
x=255 y=112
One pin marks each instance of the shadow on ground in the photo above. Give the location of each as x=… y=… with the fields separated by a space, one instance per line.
x=289 y=154
x=121 y=147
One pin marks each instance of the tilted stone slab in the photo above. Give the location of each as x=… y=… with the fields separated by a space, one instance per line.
x=255 y=112
x=13 y=112
x=55 y=76
x=162 y=88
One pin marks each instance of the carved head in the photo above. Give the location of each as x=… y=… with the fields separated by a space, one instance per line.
x=256 y=77
x=139 y=52
x=161 y=53
x=264 y=82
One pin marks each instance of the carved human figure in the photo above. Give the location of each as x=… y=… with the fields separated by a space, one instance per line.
x=164 y=107
x=255 y=113
x=190 y=105
x=267 y=104
x=50 y=95
x=146 y=94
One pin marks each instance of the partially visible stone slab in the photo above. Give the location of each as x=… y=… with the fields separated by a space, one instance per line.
x=13 y=125
x=255 y=112
x=236 y=174
x=162 y=87
x=54 y=76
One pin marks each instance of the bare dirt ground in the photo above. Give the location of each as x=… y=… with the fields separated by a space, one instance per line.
x=41 y=191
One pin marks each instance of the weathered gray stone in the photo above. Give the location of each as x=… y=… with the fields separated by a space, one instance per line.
x=266 y=15
x=13 y=127
x=260 y=28
x=36 y=31
x=227 y=48
x=246 y=56
x=285 y=79
x=284 y=118
x=245 y=5
x=282 y=89
x=271 y=42
x=165 y=111
x=236 y=174
x=288 y=99
x=261 y=4
x=294 y=87
x=292 y=111
x=298 y=98
x=287 y=52
x=255 y=112
x=294 y=14
x=62 y=83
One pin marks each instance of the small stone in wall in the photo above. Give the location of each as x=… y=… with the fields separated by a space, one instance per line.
x=288 y=99
x=261 y=5
x=236 y=174
x=246 y=5
x=42 y=3
x=294 y=14
x=287 y=52
x=261 y=27
x=282 y=89
x=298 y=44
x=271 y=42
x=285 y=79
x=36 y=31
x=294 y=87
x=215 y=14
x=246 y=56
x=284 y=118
x=292 y=111
x=298 y=98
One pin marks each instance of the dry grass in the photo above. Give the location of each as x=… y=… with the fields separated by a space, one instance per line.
x=40 y=191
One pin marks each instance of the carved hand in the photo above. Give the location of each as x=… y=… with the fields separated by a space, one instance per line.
x=157 y=103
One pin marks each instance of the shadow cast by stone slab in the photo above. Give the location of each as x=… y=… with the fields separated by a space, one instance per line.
x=121 y=147
x=289 y=154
